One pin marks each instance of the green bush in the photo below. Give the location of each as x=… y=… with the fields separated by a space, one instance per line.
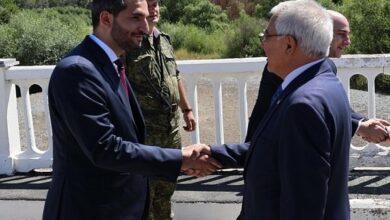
x=7 y=8
x=41 y=37
x=243 y=41
x=5 y=15
x=175 y=31
x=329 y=4
x=195 y=39
x=199 y=41
x=382 y=84
x=358 y=82
x=7 y=42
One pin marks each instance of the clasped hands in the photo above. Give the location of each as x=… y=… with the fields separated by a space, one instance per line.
x=197 y=160
x=374 y=130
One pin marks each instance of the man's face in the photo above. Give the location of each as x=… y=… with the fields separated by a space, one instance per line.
x=154 y=11
x=341 y=38
x=272 y=44
x=130 y=25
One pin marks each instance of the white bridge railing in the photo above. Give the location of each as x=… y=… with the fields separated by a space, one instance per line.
x=15 y=158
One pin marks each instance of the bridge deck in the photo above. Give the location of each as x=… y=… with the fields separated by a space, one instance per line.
x=220 y=194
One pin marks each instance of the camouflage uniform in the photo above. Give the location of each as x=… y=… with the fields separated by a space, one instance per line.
x=154 y=78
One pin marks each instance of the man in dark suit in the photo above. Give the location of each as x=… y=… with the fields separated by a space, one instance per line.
x=296 y=166
x=372 y=130
x=268 y=84
x=100 y=166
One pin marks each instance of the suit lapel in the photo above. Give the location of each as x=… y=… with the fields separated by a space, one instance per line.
x=130 y=104
x=307 y=75
x=115 y=83
x=137 y=113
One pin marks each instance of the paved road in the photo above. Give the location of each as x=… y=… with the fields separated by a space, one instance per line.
x=209 y=198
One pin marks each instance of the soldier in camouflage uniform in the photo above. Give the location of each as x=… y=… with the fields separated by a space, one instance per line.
x=153 y=74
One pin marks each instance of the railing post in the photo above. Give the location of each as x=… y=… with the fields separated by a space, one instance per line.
x=192 y=90
x=243 y=107
x=9 y=126
x=218 y=111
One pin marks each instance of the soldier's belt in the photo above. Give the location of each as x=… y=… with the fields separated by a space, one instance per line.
x=172 y=107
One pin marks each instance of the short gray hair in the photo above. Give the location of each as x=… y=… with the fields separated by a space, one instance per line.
x=308 y=22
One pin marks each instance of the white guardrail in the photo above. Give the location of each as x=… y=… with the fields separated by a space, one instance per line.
x=15 y=158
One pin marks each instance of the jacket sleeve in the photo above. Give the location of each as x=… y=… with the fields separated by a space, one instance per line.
x=356 y=118
x=230 y=155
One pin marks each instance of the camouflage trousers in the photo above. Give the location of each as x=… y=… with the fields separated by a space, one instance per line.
x=160 y=207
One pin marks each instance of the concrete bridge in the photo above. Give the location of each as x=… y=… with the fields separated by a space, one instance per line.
x=22 y=189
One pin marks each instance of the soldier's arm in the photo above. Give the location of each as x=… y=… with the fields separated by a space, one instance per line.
x=186 y=109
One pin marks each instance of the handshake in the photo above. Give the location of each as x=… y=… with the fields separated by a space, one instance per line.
x=197 y=160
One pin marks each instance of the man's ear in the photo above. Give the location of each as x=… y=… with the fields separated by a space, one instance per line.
x=291 y=44
x=106 y=18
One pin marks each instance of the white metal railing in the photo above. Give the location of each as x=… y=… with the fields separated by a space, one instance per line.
x=14 y=158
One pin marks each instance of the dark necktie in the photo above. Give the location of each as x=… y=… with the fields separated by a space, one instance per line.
x=276 y=95
x=122 y=75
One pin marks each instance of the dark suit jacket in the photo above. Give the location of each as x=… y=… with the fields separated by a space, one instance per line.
x=268 y=85
x=100 y=167
x=296 y=166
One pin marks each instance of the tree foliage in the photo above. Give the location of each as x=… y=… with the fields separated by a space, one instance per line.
x=223 y=28
x=244 y=40
x=264 y=6
x=204 y=15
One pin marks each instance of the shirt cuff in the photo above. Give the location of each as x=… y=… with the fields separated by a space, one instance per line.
x=359 y=123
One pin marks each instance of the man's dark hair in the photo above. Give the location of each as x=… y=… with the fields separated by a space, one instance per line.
x=112 y=6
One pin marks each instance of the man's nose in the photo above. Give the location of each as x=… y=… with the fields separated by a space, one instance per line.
x=144 y=26
x=347 y=40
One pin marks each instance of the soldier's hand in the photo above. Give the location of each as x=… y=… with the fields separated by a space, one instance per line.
x=189 y=119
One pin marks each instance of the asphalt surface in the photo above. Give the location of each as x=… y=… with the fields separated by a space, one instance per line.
x=213 y=197
x=221 y=187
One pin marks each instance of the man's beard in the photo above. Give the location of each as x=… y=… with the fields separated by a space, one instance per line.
x=120 y=36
